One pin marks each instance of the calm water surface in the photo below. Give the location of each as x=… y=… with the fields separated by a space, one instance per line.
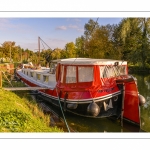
x=144 y=89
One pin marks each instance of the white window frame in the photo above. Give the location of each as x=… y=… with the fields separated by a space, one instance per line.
x=84 y=74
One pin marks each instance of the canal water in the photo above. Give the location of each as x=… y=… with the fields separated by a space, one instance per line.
x=143 y=81
x=82 y=124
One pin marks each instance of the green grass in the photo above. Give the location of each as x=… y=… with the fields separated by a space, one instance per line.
x=19 y=113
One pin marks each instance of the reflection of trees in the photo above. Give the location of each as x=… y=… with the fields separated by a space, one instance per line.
x=143 y=82
x=148 y=84
x=147 y=81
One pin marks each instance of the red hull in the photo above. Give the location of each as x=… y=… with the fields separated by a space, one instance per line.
x=131 y=103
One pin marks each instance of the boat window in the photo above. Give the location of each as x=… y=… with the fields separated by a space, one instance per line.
x=45 y=78
x=112 y=71
x=107 y=72
x=31 y=74
x=85 y=74
x=122 y=70
x=53 y=68
x=38 y=76
x=71 y=74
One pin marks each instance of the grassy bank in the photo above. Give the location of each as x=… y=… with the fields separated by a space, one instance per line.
x=19 y=113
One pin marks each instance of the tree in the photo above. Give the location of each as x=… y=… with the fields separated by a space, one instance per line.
x=89 y=28
x=79 y=46
x=8 y=49
x=117 y=43
x=134 y=39
x=145 y=45
x=56 y=53
x=99 y=45
x=47 y=56
x=70 y=50
x=2 y=55
x=131 y=37
x=16 y=54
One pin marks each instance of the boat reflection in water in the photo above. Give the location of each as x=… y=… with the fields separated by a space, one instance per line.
x=81 y=124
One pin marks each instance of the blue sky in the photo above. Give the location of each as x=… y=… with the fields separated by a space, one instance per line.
x=55 y=32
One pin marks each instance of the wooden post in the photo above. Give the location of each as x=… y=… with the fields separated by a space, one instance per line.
x=0 y=79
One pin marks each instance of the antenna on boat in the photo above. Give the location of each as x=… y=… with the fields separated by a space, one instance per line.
x=39 y=49
x=122 y=62
x=73 y=61
x=45 y=44
x=40 y=40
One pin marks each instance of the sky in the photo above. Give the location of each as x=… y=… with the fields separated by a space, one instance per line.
x=55 y=32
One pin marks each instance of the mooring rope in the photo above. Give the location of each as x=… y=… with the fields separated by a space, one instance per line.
x=62 y=111
x=6 y=78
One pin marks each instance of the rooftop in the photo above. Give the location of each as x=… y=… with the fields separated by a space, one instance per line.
x=90 y=61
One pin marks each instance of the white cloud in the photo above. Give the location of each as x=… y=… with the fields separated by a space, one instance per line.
x=61 y=28
x=73 y=26
x=77 y=28
x=74 y=19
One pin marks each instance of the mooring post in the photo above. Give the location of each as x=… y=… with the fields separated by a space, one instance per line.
x=0 y=79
